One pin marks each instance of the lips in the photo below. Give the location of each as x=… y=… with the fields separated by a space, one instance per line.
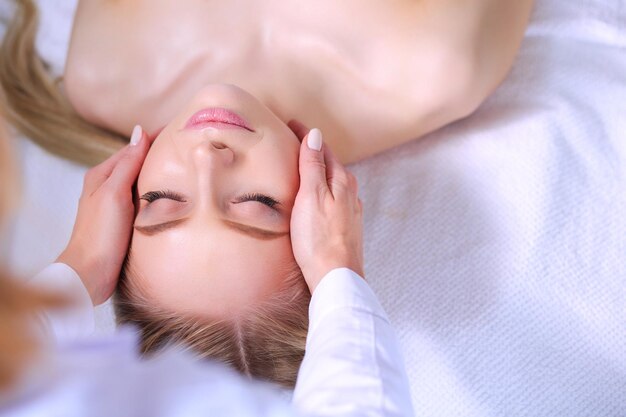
x=218 y=118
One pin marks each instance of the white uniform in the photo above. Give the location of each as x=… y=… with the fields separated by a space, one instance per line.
x=352 y=366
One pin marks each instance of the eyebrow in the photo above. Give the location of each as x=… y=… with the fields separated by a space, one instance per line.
x=154 y=229
x=252 y=231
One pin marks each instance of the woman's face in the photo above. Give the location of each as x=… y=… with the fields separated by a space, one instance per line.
x=212 y=231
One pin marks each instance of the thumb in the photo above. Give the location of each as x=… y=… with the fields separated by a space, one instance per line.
x=127 y=169
x=312 y=164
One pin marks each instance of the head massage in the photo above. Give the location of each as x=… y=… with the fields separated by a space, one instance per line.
x=210 y=263
x=213 y=226
x=43 y=367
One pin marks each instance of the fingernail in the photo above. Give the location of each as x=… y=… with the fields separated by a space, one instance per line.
x=314 y=140
x=136 y=136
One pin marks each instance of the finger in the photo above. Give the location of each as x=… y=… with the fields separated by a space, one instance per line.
x=97 y=175
x=337 y=176
x=353 y=184
x=298 y=128
x=312 y=165
x=127 y=169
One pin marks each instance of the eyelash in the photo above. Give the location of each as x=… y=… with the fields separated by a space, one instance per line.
x=261 y=198
x=151 y=196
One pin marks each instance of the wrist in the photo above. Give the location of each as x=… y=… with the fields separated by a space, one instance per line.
x=314 y=274
x=79 y=264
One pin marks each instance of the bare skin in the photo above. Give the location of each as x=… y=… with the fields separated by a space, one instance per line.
x=195 y=251
x=371 y=74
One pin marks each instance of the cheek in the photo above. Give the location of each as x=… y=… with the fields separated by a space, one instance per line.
x=271 y=173
x=154 y=158
x=162 y=161
x=282 y=162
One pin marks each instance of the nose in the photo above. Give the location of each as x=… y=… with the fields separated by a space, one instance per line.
x=212 y=162
x=213 y=154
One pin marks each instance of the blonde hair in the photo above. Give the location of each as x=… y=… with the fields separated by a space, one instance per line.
x=266 y=342
x=35 y=102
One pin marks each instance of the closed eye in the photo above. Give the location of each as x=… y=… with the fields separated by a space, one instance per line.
x=151 y=196
x=261 y=198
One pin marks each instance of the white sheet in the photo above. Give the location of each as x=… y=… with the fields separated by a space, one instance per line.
x=497 y=245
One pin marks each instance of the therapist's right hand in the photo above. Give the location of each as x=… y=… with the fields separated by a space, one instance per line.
x=327 y=216
x=102 y=231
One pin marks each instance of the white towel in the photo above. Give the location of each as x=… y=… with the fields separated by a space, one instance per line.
x=497 y=245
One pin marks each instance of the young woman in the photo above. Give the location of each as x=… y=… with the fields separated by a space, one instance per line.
x=81 y=375
x=211 y=263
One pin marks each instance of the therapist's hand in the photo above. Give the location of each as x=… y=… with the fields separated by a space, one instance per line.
x=326 y=220
x=102 y=231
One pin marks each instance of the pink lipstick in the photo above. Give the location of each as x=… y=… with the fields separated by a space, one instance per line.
x=218 y=118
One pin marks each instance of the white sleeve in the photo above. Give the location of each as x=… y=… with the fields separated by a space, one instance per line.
x=352 y=365
x=72 y=322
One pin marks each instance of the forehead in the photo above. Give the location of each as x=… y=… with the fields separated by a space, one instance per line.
x=209 y=270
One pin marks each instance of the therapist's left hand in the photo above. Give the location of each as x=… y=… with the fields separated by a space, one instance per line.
x=327 y=215
x=102 y=231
